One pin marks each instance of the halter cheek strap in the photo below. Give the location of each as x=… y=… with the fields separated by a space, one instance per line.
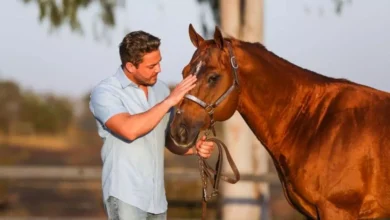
x=207 y=173
x=210 y=107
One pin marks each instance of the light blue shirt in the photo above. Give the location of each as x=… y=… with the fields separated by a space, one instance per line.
x=132 y=171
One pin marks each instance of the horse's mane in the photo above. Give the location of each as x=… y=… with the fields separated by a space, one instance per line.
x=272 y=57
x=317 y=77
x=269 y=55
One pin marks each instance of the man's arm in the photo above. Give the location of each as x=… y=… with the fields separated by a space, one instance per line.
x=115 y=117
x=133 y=126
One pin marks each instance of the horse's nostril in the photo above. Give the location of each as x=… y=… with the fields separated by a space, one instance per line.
x=182 y=132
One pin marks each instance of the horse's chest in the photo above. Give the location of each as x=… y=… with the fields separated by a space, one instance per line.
x=294 y=188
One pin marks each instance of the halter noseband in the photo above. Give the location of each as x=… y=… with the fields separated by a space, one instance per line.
x=209 y=108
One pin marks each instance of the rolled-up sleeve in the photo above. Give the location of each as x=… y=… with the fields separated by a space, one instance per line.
x=104 y=104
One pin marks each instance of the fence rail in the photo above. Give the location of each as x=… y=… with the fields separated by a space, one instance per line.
x=94 y=173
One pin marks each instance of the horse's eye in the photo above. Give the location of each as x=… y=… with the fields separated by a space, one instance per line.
x=213 y=78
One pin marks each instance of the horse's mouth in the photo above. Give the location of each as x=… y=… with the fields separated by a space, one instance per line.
x=189 y=144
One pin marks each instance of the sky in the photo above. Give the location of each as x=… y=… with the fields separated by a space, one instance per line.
x=354 y=45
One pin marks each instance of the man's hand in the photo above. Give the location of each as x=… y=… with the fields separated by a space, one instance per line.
x=181 y=90
x=204 y=148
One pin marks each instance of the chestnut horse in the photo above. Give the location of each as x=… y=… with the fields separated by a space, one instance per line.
x=329 y=138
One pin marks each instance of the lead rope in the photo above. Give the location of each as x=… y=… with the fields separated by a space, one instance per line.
x=206 y=170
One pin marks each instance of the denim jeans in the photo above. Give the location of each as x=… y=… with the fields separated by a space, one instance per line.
x=118 y=210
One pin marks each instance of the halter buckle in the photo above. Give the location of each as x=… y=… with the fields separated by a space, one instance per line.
x=209 y=109
x=234 y=63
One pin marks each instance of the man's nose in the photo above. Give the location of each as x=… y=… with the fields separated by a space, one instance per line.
x=158 y=68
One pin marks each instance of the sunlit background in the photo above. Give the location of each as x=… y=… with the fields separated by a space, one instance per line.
x=50 y=58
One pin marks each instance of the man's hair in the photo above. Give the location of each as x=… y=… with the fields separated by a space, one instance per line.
x=135 y=45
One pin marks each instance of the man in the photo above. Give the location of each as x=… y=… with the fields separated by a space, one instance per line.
x=133 y=110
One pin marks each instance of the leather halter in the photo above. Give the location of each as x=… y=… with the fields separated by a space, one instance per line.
x=208 y=173
x=209 y=108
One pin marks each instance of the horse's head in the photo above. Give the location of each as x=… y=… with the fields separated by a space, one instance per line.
x=215 y=96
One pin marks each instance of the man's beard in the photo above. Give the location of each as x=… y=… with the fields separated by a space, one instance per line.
x=144 y=82
x=147 y=83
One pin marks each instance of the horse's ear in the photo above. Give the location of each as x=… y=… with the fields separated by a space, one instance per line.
x=218 y=38
x=196 y=39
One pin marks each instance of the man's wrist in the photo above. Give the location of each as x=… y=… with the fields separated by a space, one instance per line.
x=167 y=102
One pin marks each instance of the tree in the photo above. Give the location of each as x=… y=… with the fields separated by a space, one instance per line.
x=48 y=114
x=10 y=99
x=27 y=112
x=86 y=120
x=61 y=110
x=60 y=13
x=215 y=5
x=244 y=20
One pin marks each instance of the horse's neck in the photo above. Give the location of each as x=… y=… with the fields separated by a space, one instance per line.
x=273 y=94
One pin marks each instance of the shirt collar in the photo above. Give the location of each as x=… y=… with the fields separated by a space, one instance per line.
x=123 y=79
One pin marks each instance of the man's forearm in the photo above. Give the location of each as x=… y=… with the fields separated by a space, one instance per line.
x=139 y=124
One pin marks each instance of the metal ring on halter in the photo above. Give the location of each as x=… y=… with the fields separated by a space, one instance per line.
x=209 y=109
x=234 y=62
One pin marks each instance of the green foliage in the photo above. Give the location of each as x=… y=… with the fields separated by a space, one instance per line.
x=66 y=12
x=86 y=120
x=10 y=98
x=215 y=5
x=340 y=4
x=49 y=114
x=26 y=111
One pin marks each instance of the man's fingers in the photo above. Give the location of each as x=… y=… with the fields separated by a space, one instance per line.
x=207 y=146
x=204 y=155
x=185 y=90
x=189 y=76
x=188 y=82
x=188 y=79
x=203 y=150
x=209 y=143
x=190 y=87
x=185 y=85
x=198 y=144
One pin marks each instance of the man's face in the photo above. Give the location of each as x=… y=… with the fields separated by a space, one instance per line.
x=148 y=69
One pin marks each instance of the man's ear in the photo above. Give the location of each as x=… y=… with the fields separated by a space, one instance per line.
x=130 y=67
x=218 y=38
x=196 y=39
